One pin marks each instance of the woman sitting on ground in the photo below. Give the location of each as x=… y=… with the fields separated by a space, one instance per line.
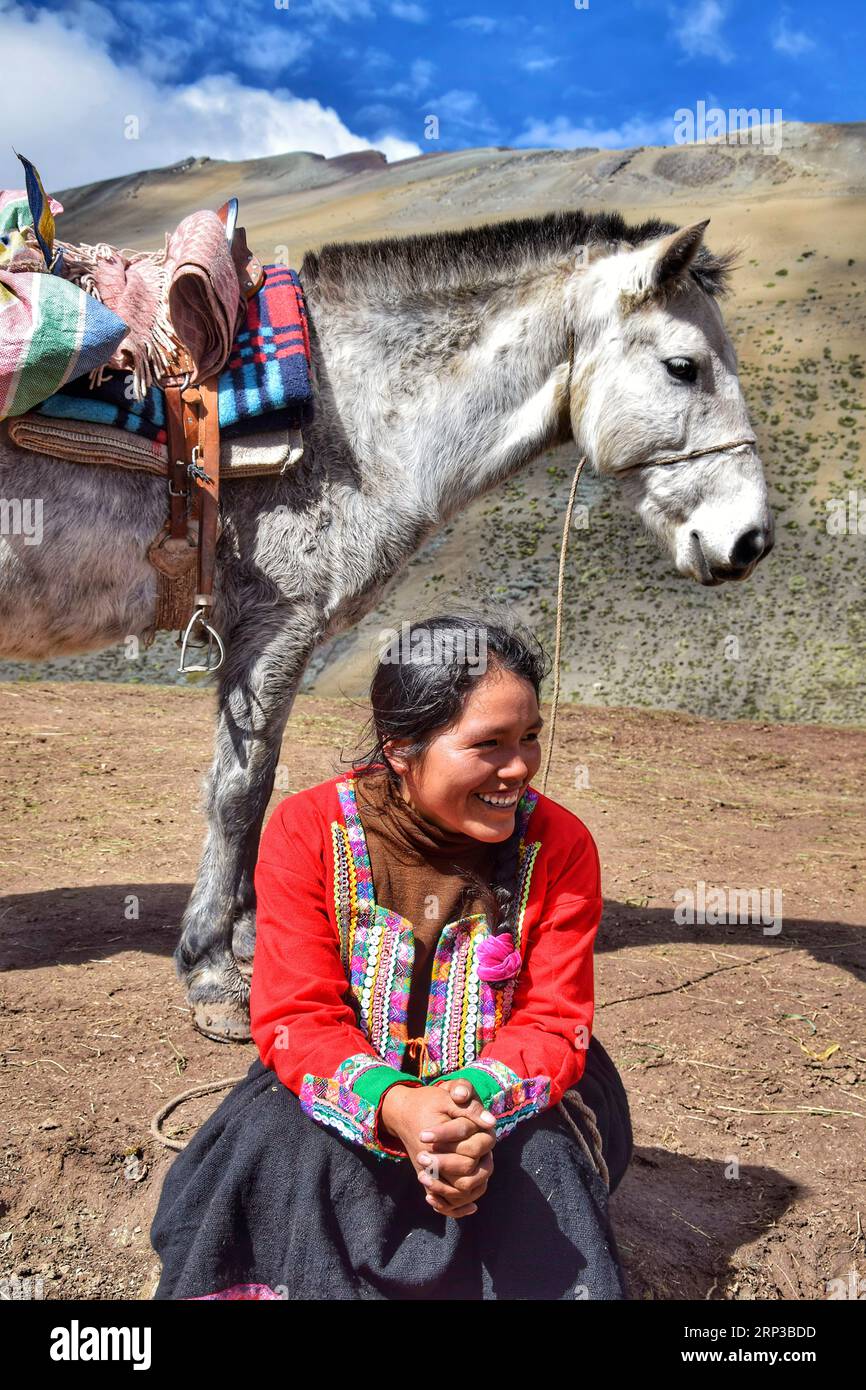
x=429 y=1116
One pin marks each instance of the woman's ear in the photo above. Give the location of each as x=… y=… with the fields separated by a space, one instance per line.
x=392 y=751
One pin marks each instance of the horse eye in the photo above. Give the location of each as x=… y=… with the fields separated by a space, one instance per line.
x=683 y=368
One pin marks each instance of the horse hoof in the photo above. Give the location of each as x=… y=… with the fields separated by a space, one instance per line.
x=223 y=1022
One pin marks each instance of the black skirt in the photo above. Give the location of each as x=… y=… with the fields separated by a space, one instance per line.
x=265 y=1202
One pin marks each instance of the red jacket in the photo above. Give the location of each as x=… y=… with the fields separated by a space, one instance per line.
x=331 y=969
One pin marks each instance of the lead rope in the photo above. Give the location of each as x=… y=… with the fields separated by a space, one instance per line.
x=165 y=1110
x=559 y=588
x=563 y=551
x=595 y=1155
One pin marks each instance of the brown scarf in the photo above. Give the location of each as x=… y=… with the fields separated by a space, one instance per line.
x=413 y=864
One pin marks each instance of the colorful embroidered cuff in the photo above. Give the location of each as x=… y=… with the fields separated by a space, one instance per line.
x=509 y=1098
x=349 y=1100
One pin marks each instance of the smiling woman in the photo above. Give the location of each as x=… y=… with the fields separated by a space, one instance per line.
x=471 y=776
x=429 y=1115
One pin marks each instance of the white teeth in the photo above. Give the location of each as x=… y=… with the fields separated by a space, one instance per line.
x=499 y=800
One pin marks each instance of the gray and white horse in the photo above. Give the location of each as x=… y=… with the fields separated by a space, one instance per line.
x=443 y=364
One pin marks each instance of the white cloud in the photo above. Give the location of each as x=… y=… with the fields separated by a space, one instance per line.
x=74 y=132
x=422 y=74
x=346 y=10
x=539 y=62
x=91 y=18
x=413 y=14
x=461 y=108
x=280 y=51
x=375 y=58
x=483 y=23
x=697 y=29
x=791 y=42
x=419 y=81
x=561 y=134
x=376 y=113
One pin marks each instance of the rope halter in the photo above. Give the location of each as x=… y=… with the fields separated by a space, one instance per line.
x=750 y=442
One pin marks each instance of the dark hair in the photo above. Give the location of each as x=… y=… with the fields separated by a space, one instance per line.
x=421 y=690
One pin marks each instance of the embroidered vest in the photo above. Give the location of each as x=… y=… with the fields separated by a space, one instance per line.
x=377 y=948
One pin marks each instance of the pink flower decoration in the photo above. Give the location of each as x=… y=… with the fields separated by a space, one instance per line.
x=497 y=959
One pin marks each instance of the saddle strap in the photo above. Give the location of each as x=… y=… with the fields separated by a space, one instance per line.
x=184 y=553
x=179 y=486
x=208 y=486
x=173 y=552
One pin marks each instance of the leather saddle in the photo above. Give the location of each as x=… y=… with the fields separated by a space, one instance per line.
x=184 y=551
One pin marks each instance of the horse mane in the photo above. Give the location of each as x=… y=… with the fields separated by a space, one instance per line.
x=391 y=267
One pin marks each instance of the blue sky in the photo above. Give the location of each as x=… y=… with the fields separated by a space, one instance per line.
x=128 y=85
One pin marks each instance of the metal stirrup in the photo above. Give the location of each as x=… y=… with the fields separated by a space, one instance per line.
x=198 y=616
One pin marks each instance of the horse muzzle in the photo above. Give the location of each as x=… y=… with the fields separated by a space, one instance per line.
x=746 y=554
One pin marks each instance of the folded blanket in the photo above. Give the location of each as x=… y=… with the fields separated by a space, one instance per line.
x=110 y=403
x=78 y=441
x=50 y=330
x=265 y=384
x=84 y=442
x=269 y=364
x=186 y=295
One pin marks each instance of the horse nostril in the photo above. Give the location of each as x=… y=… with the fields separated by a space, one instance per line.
x=748 y=548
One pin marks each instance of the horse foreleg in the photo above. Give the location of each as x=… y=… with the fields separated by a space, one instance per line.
x=213 y=957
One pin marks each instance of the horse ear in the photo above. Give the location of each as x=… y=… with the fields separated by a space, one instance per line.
x=651 y=268
x=673 y=254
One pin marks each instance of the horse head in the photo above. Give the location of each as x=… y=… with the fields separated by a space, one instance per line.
x=655 y=401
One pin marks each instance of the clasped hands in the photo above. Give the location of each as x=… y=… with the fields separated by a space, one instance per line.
x=448 y=1135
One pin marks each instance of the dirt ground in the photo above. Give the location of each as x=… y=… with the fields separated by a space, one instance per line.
x=743 y=1050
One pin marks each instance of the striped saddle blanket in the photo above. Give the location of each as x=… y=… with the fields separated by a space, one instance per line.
x=267 y=374
x=86 y=331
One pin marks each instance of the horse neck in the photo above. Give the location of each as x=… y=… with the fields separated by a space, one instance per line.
x=446 y=395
